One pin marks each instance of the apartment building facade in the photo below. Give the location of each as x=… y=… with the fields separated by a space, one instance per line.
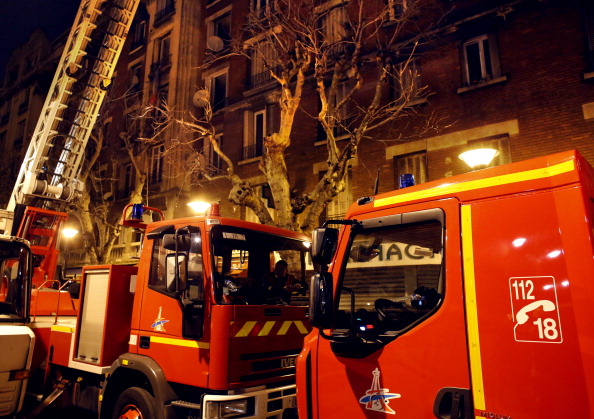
x=517 y=76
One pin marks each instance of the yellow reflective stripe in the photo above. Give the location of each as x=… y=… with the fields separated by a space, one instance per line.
x=476 y=368
x=267 y=328
x=246 y=329
x=446 y=189
x=66 y=329
x=285 y=327
x=180 y=342
x=301 y=327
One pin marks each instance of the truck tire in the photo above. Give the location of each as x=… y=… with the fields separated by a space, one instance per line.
x=135 y=403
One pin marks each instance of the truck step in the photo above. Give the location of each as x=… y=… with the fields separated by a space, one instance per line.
x=59 y=388
x=186 y=405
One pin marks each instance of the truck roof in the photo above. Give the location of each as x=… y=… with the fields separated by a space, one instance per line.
x=211 y=221
x=550 y=171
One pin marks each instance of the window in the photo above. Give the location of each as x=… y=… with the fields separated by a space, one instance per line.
x=262 y=7
x=336 y=210
x=23 y=100
x=20 y=136
x=156 y=173
x=217 y=85
x=164 y=9
x=14 y=290
x=5 y=112
x=332 y=25
x=397 y=8
x=341 y=114
x=414 y=164
x=393 y=276
x=135 y=78
x=243 y=259
x=160 y=100
x=215 y=162
x=219 y=26
x=253 y=142
x=163 y=264
x=138 y=34
x=262 y=61
x=127 y=180
x=481 y=60
x=406 y=82
x=162 y=51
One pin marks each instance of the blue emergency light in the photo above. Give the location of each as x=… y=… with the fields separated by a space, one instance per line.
x=406 y=180
x=137 y=211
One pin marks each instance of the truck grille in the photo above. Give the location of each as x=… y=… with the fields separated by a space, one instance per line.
x=264 y=365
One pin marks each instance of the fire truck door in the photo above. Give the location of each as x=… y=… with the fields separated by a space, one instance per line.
x=402 y=296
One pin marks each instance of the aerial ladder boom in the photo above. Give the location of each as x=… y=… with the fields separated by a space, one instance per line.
x=53 y=160
x=48 y=177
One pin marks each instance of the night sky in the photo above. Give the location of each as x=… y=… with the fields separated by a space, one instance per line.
x=19 y=18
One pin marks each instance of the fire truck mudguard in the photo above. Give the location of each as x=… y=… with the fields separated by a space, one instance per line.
x=146 y=382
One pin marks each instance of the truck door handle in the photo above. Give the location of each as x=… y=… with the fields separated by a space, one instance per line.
x=145 y=342
x=453 y=403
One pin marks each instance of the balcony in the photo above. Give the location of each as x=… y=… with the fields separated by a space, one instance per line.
x=252 y=151
x=262 y=78
x=163 y=14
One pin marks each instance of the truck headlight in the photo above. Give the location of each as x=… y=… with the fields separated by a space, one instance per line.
x=229 y=409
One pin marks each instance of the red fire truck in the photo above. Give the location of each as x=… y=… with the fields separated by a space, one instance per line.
x=188 y=332
x=464 y=297
x=48 y=177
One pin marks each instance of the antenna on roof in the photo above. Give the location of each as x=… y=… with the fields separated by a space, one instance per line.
x=376 y=183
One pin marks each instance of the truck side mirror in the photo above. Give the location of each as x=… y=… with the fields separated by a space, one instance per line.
x=323 y=245
x=320 y=301
x=183 y=242
x=177 y=263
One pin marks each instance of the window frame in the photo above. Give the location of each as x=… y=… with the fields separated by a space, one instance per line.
x=419 y=169
x=212 y=28
x=211 y=82
x=385 y=224
x=253 y=147
x=488 y=61
x=156 y=164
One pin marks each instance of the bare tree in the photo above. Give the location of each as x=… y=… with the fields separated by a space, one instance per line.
x=339 y=48
x=98 y=209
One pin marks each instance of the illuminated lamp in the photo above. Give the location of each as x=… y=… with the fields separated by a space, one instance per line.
x=479 y=157
x=199 y=207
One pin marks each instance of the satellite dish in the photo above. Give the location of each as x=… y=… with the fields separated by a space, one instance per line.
x=215 y=44
x=201 y=98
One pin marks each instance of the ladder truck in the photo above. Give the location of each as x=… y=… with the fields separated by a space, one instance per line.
x=47 y=180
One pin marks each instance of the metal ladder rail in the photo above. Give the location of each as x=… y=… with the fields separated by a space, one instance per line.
x=111 y=21
x=117 y=21
x=37 y=152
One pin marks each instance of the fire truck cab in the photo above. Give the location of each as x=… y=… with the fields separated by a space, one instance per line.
x=192 y=330
x=18 y=341
x=464 y=297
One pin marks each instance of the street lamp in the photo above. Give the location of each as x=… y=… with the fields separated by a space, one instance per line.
x=68 y=233
x=199 y=207
x=478 y=157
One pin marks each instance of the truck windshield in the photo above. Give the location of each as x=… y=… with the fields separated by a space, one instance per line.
x=392 y=279
x=14 y=288
x=257 y=268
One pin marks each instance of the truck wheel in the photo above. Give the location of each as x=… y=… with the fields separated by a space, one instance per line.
x=135 y=403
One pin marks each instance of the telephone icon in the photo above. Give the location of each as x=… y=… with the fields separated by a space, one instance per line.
x=522 y=315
